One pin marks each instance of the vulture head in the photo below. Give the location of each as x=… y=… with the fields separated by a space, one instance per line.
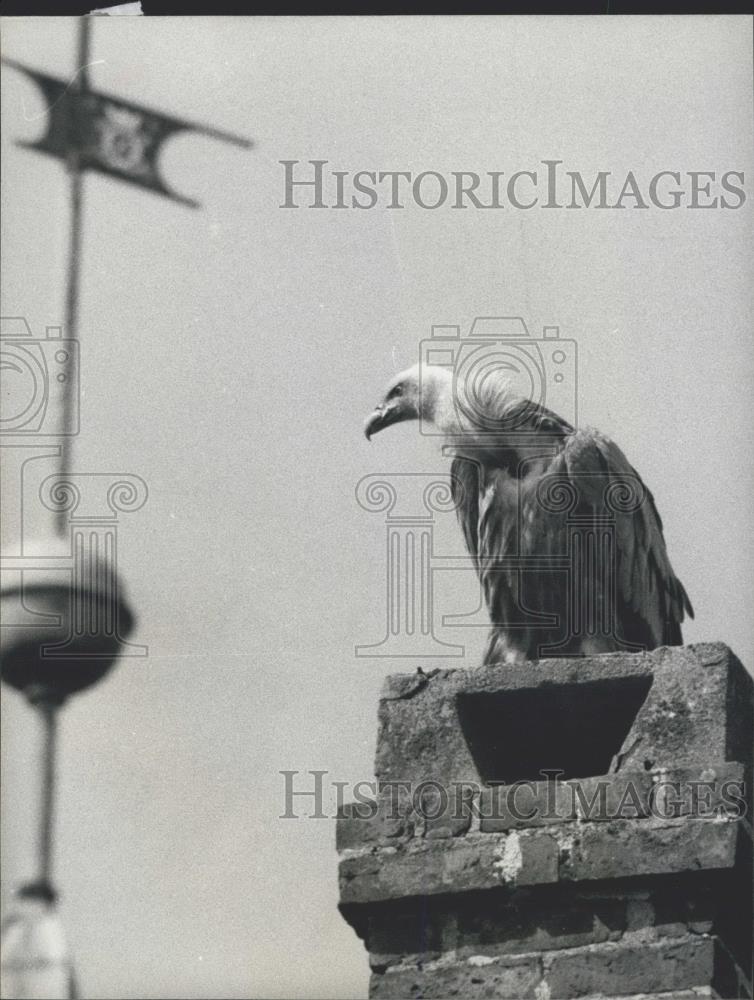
x=455 y=407
x=425 y=393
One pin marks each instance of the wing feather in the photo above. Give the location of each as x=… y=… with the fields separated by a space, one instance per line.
x=501 y=515
x=647 y=585
x=464 y=484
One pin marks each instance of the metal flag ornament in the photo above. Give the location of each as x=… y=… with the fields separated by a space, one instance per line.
x=109 y=135
x=71 y=628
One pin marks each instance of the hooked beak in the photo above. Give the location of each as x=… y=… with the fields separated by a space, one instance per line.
x=382 y=417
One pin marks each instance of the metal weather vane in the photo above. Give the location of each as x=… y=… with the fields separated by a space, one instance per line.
x=107 y=134
x=89 y=131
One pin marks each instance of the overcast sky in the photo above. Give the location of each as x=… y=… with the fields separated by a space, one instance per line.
x=229 y=356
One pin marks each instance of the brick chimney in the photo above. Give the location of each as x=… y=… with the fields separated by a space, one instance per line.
x=567 y=828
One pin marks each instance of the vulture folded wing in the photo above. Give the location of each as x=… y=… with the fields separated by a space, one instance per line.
x=487 y=508
x=464 y=484
x=517 y=502
x=650 y=599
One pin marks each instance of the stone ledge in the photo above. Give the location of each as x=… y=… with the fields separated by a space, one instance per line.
x=661 y=793
x=573 y=852
x=494 y=922
x=696 y=993
x=573 y=902
x=693 y=705
x=630 y=968
x=665 y=793
x=515 y=978
x=610 y=969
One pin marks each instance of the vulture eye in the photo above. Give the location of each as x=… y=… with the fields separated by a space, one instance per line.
x=397 y=390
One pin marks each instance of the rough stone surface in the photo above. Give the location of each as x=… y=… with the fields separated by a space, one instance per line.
x=572 y=852
x=526 y=805
x=698 y=710
x=697 y=993
x=613 y=969
x=625 y=847
x=426 y=867
x=627 y=967
x=541 y=918
x=629 y=877
x=548 y=918
x=664 y=793
x=514 y=978
x=434 y=813
x=384 y=822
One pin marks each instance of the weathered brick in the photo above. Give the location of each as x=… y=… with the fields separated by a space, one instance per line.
x=600 y=906
x=664 y=793
x=385 y=820
x=459 y=865
x=490 y=922
x=624 y=968
x=511 y=978
x=612 y=797
x=533 y=921
x=527 y=804
x=697 y=993
x=642 y=847
x=397 y=934
x=704 y=791
x=446 y=812
x=352 y=831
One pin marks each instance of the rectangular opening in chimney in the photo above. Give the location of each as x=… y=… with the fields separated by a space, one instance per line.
x=573 y=728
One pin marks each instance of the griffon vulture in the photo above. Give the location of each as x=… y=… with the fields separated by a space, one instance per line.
x=565 y=537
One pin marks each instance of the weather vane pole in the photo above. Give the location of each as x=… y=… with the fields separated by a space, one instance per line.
x=80 y=85
x=71 y=633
